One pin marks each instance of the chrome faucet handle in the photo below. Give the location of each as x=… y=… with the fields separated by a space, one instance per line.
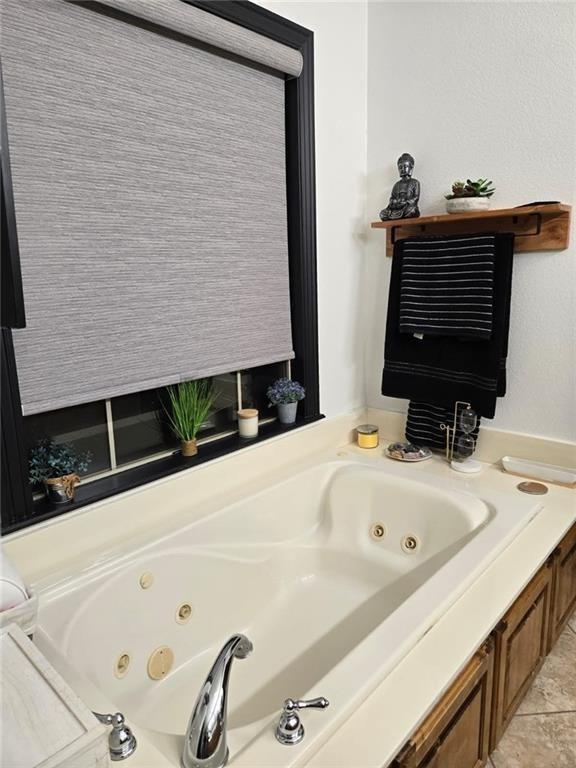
x=289 y=729
x=121 y=741
x=319 y=703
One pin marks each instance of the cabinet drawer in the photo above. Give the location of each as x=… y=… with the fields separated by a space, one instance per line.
x=456 y=733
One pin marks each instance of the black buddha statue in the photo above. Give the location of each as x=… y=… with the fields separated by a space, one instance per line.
x=405 y=193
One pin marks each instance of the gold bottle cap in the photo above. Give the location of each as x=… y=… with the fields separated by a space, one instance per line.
x=367 y=429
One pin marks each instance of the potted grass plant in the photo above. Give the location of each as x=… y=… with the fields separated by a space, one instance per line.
x=469 y=196
x=57 y=467
x=285 y=395
x=187 y=407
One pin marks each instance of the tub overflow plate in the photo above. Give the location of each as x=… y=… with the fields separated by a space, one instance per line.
x=160 y=662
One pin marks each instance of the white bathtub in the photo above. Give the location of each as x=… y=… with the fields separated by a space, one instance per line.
x=329 y=608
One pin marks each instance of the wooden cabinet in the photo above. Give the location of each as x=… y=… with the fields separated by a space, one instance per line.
x=521 y=641
x=564 y=585
x=470 y=719
x=456 y=733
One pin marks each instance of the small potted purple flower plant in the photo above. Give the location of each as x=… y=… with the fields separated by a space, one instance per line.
x=285 y=394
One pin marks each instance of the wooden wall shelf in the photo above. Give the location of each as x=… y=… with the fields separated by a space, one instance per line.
x=537 y=227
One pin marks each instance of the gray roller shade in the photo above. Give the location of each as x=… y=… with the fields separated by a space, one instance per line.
x=150 y=195
x=212 y=30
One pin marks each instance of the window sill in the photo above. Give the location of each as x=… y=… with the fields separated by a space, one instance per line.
x=154 y=470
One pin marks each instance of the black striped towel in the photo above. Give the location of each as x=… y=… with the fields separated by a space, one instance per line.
x=423 y=424
x=447 y=286
x=443 y=369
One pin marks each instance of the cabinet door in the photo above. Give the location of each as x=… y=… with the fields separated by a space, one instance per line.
x=456 y=733
x=521 y=647
x=564 y=592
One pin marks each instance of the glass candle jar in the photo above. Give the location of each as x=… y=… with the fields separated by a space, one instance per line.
x=248 y=422
x=367 y=436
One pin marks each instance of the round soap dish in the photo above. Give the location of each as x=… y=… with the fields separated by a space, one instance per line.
x=407 y=452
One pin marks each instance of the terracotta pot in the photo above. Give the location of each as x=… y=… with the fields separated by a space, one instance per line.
x=61 y=490
x=189 y=447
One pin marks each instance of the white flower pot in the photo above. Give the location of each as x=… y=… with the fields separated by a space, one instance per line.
x=467 y=204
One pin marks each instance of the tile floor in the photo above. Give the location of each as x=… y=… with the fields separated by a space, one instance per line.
x=542 y=734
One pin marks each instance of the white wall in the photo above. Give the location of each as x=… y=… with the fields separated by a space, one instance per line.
x=340 y=83
x=482 y=89
x=470 y=89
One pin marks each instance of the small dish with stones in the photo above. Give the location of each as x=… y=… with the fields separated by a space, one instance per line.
x=408 y=452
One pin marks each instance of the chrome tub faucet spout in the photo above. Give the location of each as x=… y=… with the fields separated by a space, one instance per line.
x=205 y=743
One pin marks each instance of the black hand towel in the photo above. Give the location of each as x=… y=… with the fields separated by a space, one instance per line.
x=447 y=286
x=423 y=424
x=443 y=369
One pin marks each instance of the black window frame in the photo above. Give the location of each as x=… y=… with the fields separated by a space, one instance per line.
x=18 y=510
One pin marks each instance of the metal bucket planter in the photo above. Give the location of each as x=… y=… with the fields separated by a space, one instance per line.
x=287 y=412
x=61 y=490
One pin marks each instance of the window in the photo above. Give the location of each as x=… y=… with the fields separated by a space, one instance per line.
x=130 y=444
x=132 y=430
